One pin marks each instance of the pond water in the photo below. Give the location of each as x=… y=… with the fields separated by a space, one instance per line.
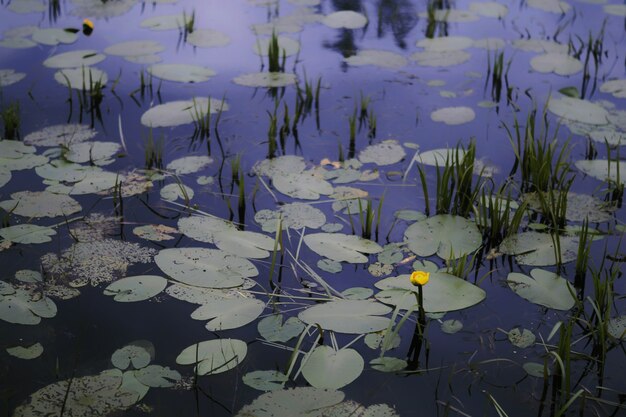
x=216 y=207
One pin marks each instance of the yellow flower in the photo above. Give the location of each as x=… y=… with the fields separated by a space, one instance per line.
x=420 y=277
x=88 y=23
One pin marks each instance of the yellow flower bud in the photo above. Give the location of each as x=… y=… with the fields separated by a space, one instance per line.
x=88 y=23
x=420 y=277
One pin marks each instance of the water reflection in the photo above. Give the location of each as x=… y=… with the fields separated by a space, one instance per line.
x=399 y=16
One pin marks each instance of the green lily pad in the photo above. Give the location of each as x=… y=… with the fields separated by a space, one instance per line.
x=266 y=79
x=537 y=249
x=157 y=376
x=544 y=288
x=15 y=149
x=282 y=165
x=327 y=368
x=16 y=43
x=98 y=9
x=27 y=233
x=617 y=327
x=135 y=48
x=214 y=356
x=388 y=152
x=155 y=232
x=265 y=380
x=204 y=228
x=430 y=58
x=348 y=316
x=489 y=9
x=445 y=43
x=27 y=6
x=293 y=215
x=357 y=293
x=446 y=235
x=578 y=110
x=579 y=207
x=330 y=266
x=388 y=364
x=207 y=38
x=615 y=9
x=136 y=288
x=602 y=169
x=612 y=137
x=210 y=268
x=74 y=59
x=96 y=153
x=245 y=244
x=453 y=115
x=95 y=182
x=189 y=164
x=521 y=339
x=345 y=19
x=273 y=329
x=176 y=113
x=540 y=45
x=25 y=162
x=535 y=369
x=183 y=73
x=9 y=76
x=173 y=192
x=378 y=58
x=451 y=326
x=229 y=313
x=63 y=134
x=28 y=276
x=40 y=204
x=305 y=185
x=301 y=401
x=551 y=6
x=341 y=247
x=165 y=22
x=443 y=293
x=26 y=307
x=54 y=36
x=560 y=64
x=31 y=352
x=134 y=355
x=5 y=177
x=451 y=15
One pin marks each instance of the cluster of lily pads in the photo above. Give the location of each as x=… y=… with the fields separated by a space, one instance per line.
x=236 y=275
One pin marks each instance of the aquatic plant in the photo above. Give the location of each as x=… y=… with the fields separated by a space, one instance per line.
x=10 y=115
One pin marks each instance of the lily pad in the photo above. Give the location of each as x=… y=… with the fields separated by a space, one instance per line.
x=535 y=369
x=376 y=57
x=189 y=164
x=134 y=355
x=430 y=58
x=96 y=153
x=26 y=307
x=560 y=64
x=453 y=115
x=615 y=87
x=265 y=380
x=293 y=215
x=552 y=6
x=450 y=237
x=176 y=113
x=74 y=59
x=136 y=288
x=445 y=43
x=341 y=247
x=63 y=134
x=207 y=38
x=9 y=76
x=617 y=327
x=451 y=326
x=165 y=22
x=348 y=316
x=245 y=244
x=301 y=401
x=183 y=73
x=489 y=9
x=40 y=204
x=305 y=185
x=266 y=79
x=603 y=169
x=273 y=329
x=229 y=313
x=27 y=233
x=31 y=352
x=521 y=339
x=388 y=152
x=53 y=36
x=214 y=356
x=157 y=376
x=345 y=19
x=540 y=45
x=204 y=228
x=173 y=192
x=155 y=232
x=135 y=48
x=444 y=292
x=388 y=364
x=210 y=268
x=578 y=110
x=544 y=288
x=328 y=368
x=537 y=249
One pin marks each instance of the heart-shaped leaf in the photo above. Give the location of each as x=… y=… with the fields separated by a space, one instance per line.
x=348 y=316
x=544 y=288
x=328 y=368
x=450 y=237
x=214 y=356
x=273 y=329
x=229 y=313
x=341 y=247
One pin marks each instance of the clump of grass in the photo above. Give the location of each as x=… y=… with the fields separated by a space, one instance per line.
x=593 y=49
x=497 y=70
x=272 y=131
x=352 y=124
x=201 y=120
x=456 y=190
x=274 y=55
x=11 y=119
x=189 y=24
x=367 y=216
x=496 y=217
x=615 y=192
x=433 y=26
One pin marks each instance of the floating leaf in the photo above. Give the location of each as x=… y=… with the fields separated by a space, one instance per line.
x=266 y=79
x=446 y=43
x=345 y=19
x=376 y=57
x=560 y=64
x=444 y=292
x=176 y=113
x=388 y=364
x=489 y=9
x=293 y=215
x=165 y=22
x=328 y=368
x=615 y=87
x=272 y=328
x=521 y=339
x=348 y=316
x=136 y=288
x=207 y=38
x=341 y=247
x=40 y=204
x=280 y=166
x=173 y=192
x=265 y=380
x=357 y=293
x=135 y=48
x=53 y=36
x=136 y=355
x=453 y=115
x=60 y=135
x=537 y=249
x=305 y=185
x=617 y=327
x=552 y=6
x=9 y=76
x=214 y=356
x=96 y=153
x=603 y=169
x=375 y=340
x=74 y=59
x=157 y=376
x=26 y=307
x=301 y=401
x=27 y=233
x=202 y=267
x=535 y=369
x=184 y=73
x=229 y=313
x=451 y=326
x=544 y=288
x=245 y=244
x=387 y=152
x=446 y=235
x=155 y=232
x=578 y=110
x=204 y=228
x=570 y=92
x=430 y=58
x=31 y=352
x=189 y=164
